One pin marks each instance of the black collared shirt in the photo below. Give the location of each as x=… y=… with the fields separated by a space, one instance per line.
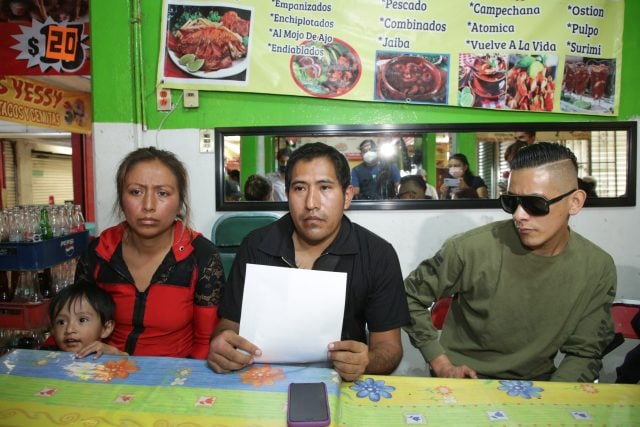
x=375 y=297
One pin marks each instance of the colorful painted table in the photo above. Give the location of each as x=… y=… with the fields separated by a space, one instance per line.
x=40 y=388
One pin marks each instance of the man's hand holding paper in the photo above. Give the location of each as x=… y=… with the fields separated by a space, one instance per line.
x=292 y=315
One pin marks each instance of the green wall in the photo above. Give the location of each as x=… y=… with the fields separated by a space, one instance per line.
x=122 y=95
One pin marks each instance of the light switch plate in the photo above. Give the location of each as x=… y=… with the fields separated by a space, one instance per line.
x=206 y=140
x=191 y=99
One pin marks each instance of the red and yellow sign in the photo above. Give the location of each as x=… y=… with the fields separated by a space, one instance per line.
x=33 y=103
x=44 y=48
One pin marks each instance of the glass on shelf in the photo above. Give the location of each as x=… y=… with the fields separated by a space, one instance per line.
x=6 y=294
x=27 y=289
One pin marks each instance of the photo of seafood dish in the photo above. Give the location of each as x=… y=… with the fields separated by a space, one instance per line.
x=588 y=85
x=333 y=71
x=411 y=77
x=482 y=80
x=531 y=82
x=208 y=42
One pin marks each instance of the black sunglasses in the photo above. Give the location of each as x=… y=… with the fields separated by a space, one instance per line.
x=533 y=205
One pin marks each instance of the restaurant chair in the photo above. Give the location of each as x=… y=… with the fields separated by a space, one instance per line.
x=622 y=315
x=229 y=230
x=439 y=311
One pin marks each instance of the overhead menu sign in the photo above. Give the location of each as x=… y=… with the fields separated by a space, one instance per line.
x=538 y=55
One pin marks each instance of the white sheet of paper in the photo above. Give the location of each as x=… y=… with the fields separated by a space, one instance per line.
x=292 y=314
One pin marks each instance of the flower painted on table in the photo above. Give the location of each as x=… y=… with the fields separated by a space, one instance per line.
x=115 y=369
x=206 y=401
x=258 y=376
x=524 y=389
x=41 y=362
x=372 y=389
x=589 y=388
x=443 y=390
x=81 y=370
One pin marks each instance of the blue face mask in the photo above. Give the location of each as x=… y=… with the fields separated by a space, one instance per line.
x=282 y=168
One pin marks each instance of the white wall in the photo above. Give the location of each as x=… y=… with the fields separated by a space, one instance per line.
x=415 y=234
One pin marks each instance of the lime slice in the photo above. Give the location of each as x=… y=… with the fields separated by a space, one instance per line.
x=185 y=59
x=195 y=65
x=534 y=68
x=465 y=98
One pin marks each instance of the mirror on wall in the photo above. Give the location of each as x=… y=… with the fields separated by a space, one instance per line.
x=422 y=166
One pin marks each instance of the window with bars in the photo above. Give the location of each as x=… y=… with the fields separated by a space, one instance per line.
x=603 y=157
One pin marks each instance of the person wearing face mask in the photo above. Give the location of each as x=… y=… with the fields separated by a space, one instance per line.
x=374 y=179
x=277 y=178
x=469 y=186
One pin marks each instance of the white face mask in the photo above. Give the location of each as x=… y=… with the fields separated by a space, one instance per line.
x=456 y=171
x=370 y=157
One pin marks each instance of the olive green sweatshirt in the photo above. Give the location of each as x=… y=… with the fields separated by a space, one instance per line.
x=514 y=309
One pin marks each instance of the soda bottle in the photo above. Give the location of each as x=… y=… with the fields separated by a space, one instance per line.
x=45 y=226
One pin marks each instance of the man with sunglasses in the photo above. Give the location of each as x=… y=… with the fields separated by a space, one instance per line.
x=524 y=289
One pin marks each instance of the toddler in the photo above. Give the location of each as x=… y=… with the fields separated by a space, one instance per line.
x=81 y=317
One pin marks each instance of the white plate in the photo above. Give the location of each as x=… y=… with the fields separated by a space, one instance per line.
x=238 y=66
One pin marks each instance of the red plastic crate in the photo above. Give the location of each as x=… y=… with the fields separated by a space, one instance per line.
x=24 y=316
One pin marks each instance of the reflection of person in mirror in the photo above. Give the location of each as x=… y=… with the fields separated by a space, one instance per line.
x=374 y=178
x=257 y=188
x=528 y=137
x=588 y=184
x=316 y=235
x=165 y=277
x=232 y=191
x=509 y=153
x=523 y=289
x=412 y=187
x=468 y=185
x=277 y=178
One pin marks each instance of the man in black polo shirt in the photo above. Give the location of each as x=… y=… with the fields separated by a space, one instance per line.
x=317 y=235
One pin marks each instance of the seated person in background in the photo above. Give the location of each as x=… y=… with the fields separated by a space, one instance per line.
x=232 y=191
x=277 y=178
x=468 y=186
x=374 y=179
x=81 y=317
x=528 y=137
x=509 y=153
x=412 y=187
x=257 y=188
x=588 y=185
x=316 y=234
x=165 y=278
x=523 y=288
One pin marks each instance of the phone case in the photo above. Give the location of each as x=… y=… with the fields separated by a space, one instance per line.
x=315 y=423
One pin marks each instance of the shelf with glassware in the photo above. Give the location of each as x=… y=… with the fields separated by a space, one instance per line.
x=38 y=253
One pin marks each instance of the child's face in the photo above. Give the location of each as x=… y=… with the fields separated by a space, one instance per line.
x=78 y=325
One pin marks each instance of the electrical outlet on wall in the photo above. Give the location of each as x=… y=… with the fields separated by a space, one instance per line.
x=163 y=99
x=206 y=140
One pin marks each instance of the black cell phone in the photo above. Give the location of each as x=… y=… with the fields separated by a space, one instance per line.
x=308 y=405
